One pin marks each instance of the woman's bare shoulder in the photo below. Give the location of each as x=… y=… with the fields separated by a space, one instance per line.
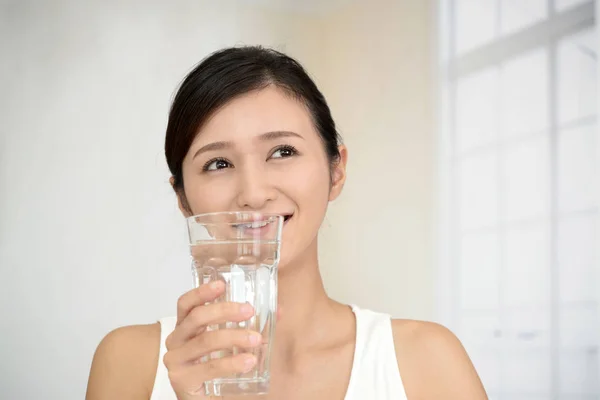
x=124 y=365
x=433 y=363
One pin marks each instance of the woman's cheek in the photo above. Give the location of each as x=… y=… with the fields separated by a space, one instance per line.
x=209 y=195
x=311 y=180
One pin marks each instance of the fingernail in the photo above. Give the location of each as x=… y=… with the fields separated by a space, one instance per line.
x=246 y=309
x=254 y=338
x=215 y=285
x=249 y=362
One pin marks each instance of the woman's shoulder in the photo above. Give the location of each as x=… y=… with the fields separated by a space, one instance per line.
x=411 y=329
x=433 y=363
x=126 y=355
x=132 y=339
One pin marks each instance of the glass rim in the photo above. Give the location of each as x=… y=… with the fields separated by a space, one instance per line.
x=193 y=219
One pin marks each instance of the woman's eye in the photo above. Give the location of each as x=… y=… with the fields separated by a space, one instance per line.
x=284 y=152
x=216 y=164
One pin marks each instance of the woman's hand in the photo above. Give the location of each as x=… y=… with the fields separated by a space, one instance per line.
x=190 y=341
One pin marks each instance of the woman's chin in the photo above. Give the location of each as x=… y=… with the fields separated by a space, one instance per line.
x=285 y=263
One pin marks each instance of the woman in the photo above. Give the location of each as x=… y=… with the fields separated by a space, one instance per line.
x=249 y=130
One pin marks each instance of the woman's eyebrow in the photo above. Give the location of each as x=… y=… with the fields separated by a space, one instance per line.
x=263 y=137
x=213 y=146
x=278 y=134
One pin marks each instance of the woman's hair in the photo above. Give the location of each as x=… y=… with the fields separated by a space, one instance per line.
x=227 y=74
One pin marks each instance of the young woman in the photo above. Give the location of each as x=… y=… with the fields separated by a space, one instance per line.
x=249 y=130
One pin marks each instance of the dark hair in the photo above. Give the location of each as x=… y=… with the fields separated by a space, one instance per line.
x=229 y=73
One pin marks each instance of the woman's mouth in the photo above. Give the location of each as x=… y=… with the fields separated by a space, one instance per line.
x=260 y=226
x=253 y=225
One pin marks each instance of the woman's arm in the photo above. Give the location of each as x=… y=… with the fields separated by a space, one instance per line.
x=433 y=363
x=124 y=365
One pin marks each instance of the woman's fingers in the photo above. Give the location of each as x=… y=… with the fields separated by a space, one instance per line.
x=190 y=379
x=210 y=341
x=198 y=297
x=197 y=319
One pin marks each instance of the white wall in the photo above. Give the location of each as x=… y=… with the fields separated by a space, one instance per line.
x=378 y=238
x=90 y=237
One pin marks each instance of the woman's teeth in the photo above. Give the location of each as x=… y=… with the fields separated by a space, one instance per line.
x=254 y=225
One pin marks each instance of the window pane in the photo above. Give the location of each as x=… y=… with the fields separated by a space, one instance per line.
x=479 y=256
x=527 y=373
x=475 y=23
x=562 y=5
x=577 y=168
x=577 y=77
x=526 y=180
x=579 y=374
x=527 y=328
x=477 y=109
x=578 y=258
x=478 y=196
x=481 y=336
x=525 y=94
x=519 y=14
x=487 y=365
x=527 y=280
x=579 y=327
x=481 y=331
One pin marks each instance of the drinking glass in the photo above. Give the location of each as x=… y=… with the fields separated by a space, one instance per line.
x=242 y=250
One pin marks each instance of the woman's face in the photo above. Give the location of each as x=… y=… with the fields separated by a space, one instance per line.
x=261 y=152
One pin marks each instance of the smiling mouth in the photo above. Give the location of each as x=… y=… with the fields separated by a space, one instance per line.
x=260 y=224
x=252 y=225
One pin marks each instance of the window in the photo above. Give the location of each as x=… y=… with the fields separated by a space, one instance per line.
x=520 y=277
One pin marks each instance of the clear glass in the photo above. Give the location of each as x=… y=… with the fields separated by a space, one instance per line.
x=527 y=373
x=516 y=15
x=478 y=191
x=578 y=256
x=524 y=94
x=479 y=275
x=477 y=110
x=527 y=257
x=563 y=5
x=577 y=77
x=525 y=179
x=241 y=249
x=578 y=168
x=475 y=23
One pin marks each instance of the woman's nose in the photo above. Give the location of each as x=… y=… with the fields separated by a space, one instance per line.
x=254 y=189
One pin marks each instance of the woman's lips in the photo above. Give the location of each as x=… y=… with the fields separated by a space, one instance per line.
x=258 y=228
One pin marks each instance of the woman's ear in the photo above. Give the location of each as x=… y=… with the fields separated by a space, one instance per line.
x=181 y=200
x=338 y=173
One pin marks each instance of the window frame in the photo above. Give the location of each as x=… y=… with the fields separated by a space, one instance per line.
x=544 y=34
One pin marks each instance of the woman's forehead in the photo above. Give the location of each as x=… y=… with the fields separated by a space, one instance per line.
x=253 y=114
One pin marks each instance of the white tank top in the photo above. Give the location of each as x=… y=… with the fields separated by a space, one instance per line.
x=374 y=374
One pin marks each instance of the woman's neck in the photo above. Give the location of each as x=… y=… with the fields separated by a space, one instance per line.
x=307 y=313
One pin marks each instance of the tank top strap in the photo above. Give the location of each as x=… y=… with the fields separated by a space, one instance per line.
x=375 y=373
x=162 y=385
